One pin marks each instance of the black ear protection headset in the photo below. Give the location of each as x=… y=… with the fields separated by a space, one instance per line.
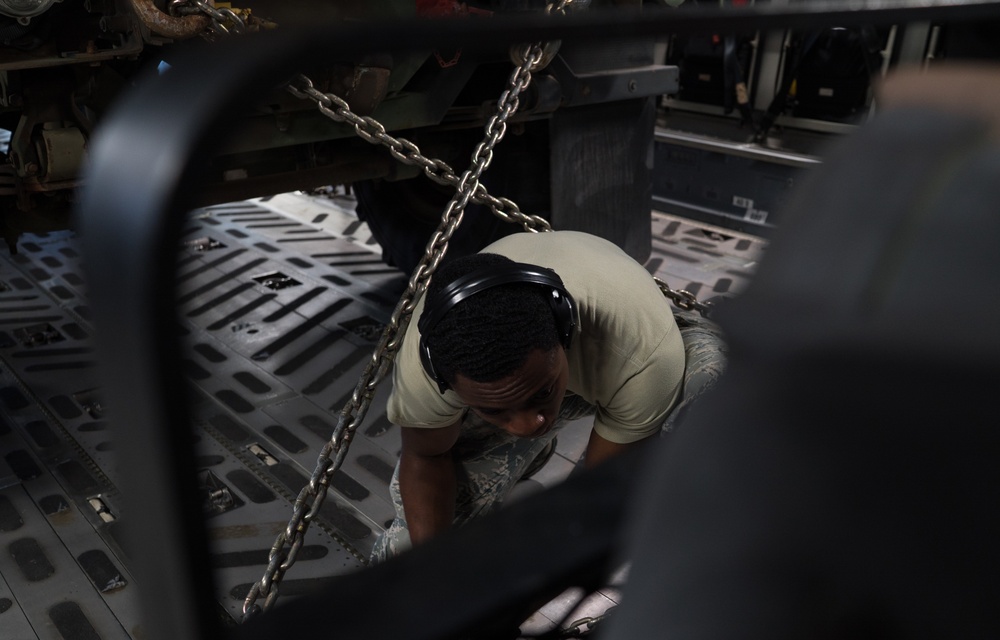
x=562 y=303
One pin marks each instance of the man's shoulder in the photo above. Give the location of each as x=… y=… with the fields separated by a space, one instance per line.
x=555 y=245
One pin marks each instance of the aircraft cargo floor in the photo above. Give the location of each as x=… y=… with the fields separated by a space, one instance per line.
x=281 y=300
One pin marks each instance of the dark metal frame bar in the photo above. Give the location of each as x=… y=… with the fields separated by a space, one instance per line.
x=480 y=581
x=144 y=172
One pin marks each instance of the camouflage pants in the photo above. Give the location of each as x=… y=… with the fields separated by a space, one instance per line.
x=488 y=461
x=704 y=361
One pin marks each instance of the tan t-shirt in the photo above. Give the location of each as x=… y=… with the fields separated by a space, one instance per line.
x=626 y=359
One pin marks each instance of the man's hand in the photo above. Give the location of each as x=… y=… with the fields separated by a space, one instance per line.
x=427 y=480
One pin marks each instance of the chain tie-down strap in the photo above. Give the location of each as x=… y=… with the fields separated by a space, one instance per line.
x=468 y=188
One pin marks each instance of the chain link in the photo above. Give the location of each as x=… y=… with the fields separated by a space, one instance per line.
x=580 y=628
x=684 y=299
x=224 y=20
x=584 y=626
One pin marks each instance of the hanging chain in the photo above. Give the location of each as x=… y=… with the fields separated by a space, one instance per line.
x=307 y=505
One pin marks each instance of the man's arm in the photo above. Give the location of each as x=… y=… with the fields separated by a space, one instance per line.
x=427 y=480
x=600 y=449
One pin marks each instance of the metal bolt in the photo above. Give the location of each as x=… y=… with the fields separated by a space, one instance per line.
x=632 y=86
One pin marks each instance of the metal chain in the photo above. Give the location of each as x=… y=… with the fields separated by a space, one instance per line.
x=307 y=505
x=224 y=20
x=407 y=152
x=580 y=628
x=584 y=626
x=684 y=299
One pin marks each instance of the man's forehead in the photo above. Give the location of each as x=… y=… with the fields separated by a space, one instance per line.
x=540 y=370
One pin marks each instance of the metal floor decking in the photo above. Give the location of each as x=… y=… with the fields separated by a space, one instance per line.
x=281 y=300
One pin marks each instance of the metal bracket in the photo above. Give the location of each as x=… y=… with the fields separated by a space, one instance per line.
x=613 y=84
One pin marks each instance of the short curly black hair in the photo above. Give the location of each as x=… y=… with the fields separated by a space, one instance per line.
x=489 y=335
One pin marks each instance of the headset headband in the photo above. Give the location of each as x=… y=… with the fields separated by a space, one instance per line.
x=563 y=306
